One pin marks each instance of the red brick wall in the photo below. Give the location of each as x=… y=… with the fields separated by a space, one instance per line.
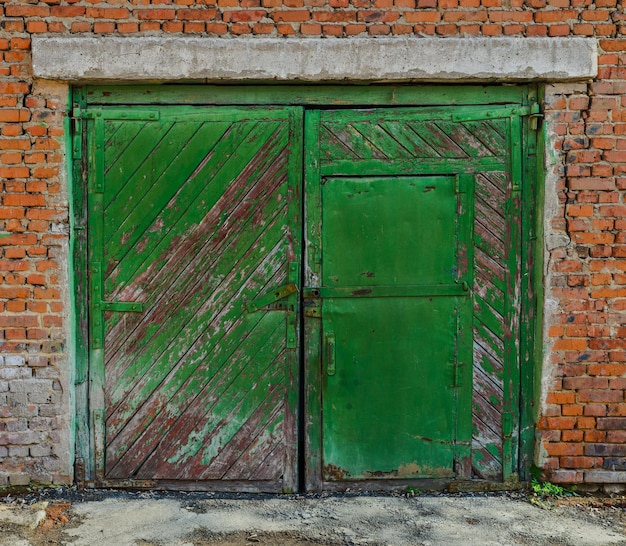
x=583 y=426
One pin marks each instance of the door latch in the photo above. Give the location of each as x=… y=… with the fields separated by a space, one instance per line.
x=271 y=297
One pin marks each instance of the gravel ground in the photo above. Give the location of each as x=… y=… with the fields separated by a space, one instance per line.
x=120 y=518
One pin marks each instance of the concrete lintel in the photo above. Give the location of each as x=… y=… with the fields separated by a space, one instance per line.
x=87 y=58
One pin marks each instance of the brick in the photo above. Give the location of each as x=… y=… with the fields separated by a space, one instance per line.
x=613 y=45
x=561 y=398
x=572 y=409
x=368 y=16
x=585 y=383
x=570 y=344
x=205 y=14
x=67 y=11
x=604 y=476
x=24 y=200
x=40 y=451
x=293 y=16
x=585 y=422
x=561 y=449
x=594 y=436
x=11 y=321
x=36 y=27
x=591 y=183
x=27 y=11
x=612 y=423
x=605 y=450
x=579 y=462
x=595 y=410
x=19 y=478
x=572 y=435
x=35 y=361
x=566 y=476
x=552 y=16
x=614 y=463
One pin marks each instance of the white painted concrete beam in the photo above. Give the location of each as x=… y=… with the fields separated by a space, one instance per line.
x=401 y=59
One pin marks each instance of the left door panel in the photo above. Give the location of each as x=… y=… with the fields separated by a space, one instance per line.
x=194 y=222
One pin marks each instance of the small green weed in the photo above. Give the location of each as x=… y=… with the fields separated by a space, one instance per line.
x=547 y=489
x=412 y=492
x=544 y=493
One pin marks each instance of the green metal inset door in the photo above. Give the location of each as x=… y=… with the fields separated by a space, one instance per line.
x=194 y=223
x=395 y=308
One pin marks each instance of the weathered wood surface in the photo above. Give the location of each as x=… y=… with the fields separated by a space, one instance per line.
x=490 y=272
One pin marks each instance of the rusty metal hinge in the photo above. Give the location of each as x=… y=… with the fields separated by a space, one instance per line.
x=113 y=114
x=535 y=116
x=99 y=305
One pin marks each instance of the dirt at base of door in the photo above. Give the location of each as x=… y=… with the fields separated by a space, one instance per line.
x=127 y=518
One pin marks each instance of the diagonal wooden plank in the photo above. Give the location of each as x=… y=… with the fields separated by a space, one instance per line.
x=236 y=258
x=203 y=422
x=169 y=375
x=135 y=153
x=330 y=144
x=205 y=382
x=212 y=185
x=491 y=134
x=491 y=344
x=271 y=465
x=464 y=139
x=146 y=191
x=486 y=462
x=487 y=427
x=488 y=400
x=485 y=359
x=117 y=135
x=487 y=240
x=231 y=218
x=411 y=142
x=162 y=407
x=267 y=436
x=438 y=139
x=494 y=221
x=489 y=317
x=261 y=427
x=381 y=141
x=349 y=135
x=492 y=188
x=131 y=225
x=490 y=267
x=490 y=275
x=223 y=306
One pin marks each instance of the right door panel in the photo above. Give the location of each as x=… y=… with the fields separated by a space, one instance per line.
x=412 y=264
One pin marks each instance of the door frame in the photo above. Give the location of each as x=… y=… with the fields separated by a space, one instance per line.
x=323 y=96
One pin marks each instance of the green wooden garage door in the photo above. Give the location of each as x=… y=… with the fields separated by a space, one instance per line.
x=408 y=304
